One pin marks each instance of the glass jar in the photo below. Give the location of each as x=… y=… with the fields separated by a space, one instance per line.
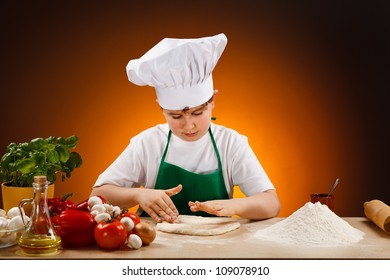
x=39 y=237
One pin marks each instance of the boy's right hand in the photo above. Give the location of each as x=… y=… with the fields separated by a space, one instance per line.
x=158 y=204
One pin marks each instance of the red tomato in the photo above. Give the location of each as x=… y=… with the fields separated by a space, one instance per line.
x=110 y=236
x=136 y=219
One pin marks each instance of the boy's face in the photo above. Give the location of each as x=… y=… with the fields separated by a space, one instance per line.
x=192 y=124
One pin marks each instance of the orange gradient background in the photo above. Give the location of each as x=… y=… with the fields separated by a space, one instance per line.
x=306 y=85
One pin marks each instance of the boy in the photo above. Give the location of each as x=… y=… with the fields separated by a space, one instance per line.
x=188 y=165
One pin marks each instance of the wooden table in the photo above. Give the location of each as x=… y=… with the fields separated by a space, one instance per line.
x=239 y=244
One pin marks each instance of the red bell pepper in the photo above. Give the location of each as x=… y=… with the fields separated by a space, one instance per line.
x=76 y=228
x=83 y=205
x=56 y=205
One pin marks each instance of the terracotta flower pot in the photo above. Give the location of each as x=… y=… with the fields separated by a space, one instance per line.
x=12 y=196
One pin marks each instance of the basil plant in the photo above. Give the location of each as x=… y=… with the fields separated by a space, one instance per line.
x=41 y=156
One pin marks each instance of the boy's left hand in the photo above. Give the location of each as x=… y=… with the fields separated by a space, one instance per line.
x=214 y=207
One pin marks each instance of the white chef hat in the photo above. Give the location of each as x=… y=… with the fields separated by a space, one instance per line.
x=179 y=70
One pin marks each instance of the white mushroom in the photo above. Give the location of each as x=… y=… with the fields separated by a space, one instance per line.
x=3 y=213
x=94 y=213
x=13 y=212
x=128 y=222
x=102 y=217
x=108 y=207
x=94 y=200
x=134 y=241
x=116 y=211
x=3 y=223
x=99 y=208
x=16 y=223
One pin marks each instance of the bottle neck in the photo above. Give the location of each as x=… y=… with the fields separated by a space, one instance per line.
x=40 y=194
x=40 y=211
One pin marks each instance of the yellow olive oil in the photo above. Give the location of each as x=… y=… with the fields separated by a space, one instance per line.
x=39 y=244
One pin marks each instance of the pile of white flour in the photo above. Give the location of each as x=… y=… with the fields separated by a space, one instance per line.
x=312 y=225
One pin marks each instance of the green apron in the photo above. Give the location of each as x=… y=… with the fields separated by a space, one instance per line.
x=196 y=187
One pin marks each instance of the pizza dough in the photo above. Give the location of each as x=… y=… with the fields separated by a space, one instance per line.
x=195 y=225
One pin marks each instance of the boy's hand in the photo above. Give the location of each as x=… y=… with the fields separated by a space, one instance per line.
x=224 y=207
x=158 y=204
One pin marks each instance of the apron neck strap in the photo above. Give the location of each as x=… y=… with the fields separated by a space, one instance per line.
x=215 y=148
x=166 y=147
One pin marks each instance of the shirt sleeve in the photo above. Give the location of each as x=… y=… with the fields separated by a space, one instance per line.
x=247 y=171
x=242 y=167
x=138 y=164
x=126 y=171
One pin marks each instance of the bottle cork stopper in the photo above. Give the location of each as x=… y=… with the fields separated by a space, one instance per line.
x=40 y=179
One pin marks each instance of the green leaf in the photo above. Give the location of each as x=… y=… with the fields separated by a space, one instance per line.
x=76 y=159
x=3 y=177
x=56 y=167
x=71 y=165
x=40 y=158
x=61 y=140
x=50 y=139
x=19 y=153
x=11 y=147
x=63 y=152
x=71 y=141
x=37 y=144
x=26 y=165
x=28 y=181
x=53 y=156
x=40 y=171
x=51 y=175
x=5 y=160
x=25 y=147
x=12 y=166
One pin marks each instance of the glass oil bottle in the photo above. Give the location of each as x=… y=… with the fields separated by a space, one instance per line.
x=39 y=237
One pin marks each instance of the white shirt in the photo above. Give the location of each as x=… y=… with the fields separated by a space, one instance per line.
x=139 y=163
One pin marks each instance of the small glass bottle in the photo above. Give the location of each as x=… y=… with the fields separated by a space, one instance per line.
x=39 y=237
